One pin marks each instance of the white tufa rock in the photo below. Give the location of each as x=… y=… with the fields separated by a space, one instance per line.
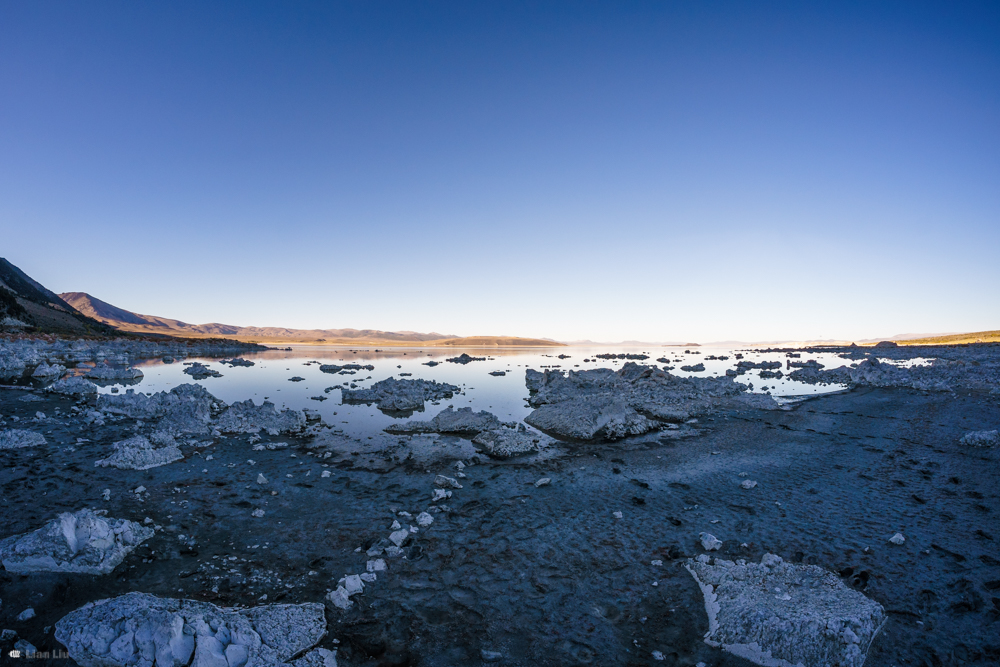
x=709 y=542
x=897 y=538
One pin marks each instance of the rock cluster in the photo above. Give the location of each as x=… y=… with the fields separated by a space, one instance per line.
x=506 y=442
x=200 y=371
x=138 y=453
x=245 y=417
x=73 y=386
x=603 y=403
x=464 y=359
x=81 y=542
x=185 y=409
x=106 y=373
x=16 y=438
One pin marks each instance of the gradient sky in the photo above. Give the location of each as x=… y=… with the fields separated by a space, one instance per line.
x=655 y=171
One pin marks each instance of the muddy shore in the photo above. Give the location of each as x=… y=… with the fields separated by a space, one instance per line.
x=547 y=575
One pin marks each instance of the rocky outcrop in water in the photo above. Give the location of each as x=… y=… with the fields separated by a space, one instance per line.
x=103 y=371
x=602 y=403
x=82 y=542
x=464 y=359
x=46 y=371
x=138 y=453
x=777 y=613
x=17 y=438
x=200 y=371
x=134 y=628
x=449 y=420
x=400 y=395
x=238 y=361
x=246 y=417
x=334 y=368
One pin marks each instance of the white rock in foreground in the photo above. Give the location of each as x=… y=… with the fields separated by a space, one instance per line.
x=16 y=438
x=981 y=439
x=782 y=615
x=138 y=453
x=138 y=629
x=82 y=542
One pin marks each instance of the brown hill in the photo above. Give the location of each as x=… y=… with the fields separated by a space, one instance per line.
x=126 y=320
x=25 y=304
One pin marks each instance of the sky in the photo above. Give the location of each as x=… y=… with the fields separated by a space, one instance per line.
x=656 y=171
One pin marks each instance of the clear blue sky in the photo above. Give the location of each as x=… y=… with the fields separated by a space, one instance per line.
x=654 y=171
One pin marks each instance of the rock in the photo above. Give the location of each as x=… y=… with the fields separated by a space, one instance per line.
x=747 y=484
x=261 y=479
x=119 y=632
x=44 y=370
x=399 y=537
x=490 y=656
x=505 y=442
x=400 y=395
x=138 y=453
x=16 y=438
x=104 y=372
x=185 y=409
x=777 y=613
x=200 y=371
x=377 y=565
x=257 y=514
x=26 y=648
x=897 y=539
x=604 y=404
x=333 y=368
x=464 y=359
x=26 y=615
x=319 y=657
x=544 y=481
x=81 y=542
x=709 y=542
x=498 y=373
x=424 y=519
x=238 y=361
x=73 y=386
x=696 y=368
x=449 y=420
x=339 y=598
x=447 y=482
x=245 y=417
x=974 y=439
x=296 y=379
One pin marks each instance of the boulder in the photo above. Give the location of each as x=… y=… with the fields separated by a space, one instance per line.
x=185 y=409
x=981 y=439
x=82 y=542
x=16 y=438
x=784 y=615
x=138 y=453
x=200 y=371
x=106 y=373
x=138 y=629
x=464 y=359
x=44 y=370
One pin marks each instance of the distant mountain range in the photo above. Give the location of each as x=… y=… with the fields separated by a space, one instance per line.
x=126 y=320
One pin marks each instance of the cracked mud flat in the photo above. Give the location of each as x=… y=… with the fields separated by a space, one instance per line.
x=544 y=575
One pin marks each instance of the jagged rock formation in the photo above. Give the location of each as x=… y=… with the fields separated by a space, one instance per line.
x=138 y=453
x=82 y=542
x=73 y=386
x=506 y=442
x=16 y=438
x=131 y=629
x=245 y=417
x=782 y=615
x=449 y=420
x=103 y=371
x=185 y=409
x=400 y=395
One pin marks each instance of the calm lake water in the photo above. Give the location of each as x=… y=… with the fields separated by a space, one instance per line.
x=504 y=396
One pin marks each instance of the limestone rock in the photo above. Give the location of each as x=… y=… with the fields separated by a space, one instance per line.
x=138 y=453
x=400 y=395
x=16 y=438
x=72 y=386
x=505 y=443
x=82 y=542
x=245 y=417
x=783 y=615
x=449 y=420
x=133 y=628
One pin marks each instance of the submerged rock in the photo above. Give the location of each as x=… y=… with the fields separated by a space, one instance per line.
x=449 y=420
x=137 y=628
x=780 y=614
x=138 y=453
x=16 y=438
x=83 y=542
x=73 y=386
x=400 y=395
x=103 y=371
x=245 y=417
x=505 y=442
